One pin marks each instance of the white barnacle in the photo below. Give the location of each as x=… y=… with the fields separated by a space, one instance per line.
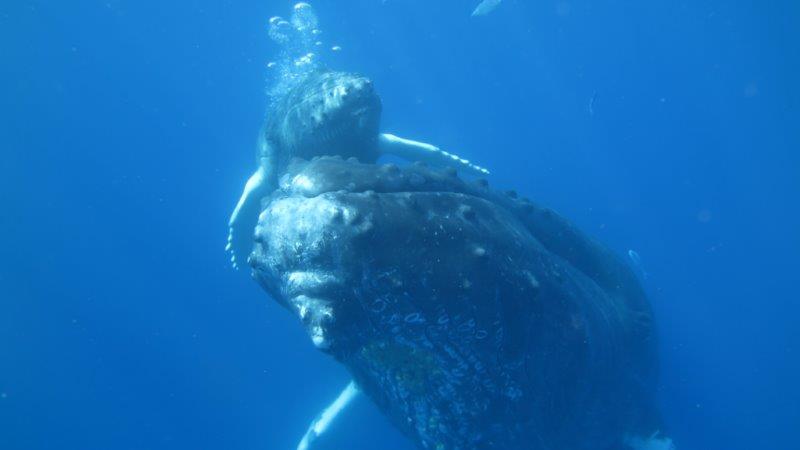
x=318 y=337
x=302 y=311
x=308 y=280
x=302 y=182
x=314 y=312
x=349 y=215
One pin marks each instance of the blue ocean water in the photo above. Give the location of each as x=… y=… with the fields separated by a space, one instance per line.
x=128 y=128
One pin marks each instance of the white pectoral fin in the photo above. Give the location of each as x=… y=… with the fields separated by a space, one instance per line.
x=324 y=420
x=245 y=217
x=427 y=153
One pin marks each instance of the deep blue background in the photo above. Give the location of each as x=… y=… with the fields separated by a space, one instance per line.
x=127 y=129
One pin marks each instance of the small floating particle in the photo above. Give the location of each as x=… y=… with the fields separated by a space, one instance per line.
x=336 y=48
x=704 y=216
x=479 y=251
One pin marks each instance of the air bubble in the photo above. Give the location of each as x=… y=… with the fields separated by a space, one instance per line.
x=280 y=31
x=304 y=17
x=336 y=48
x=298 y=37
x=305 y=60
x=271 y=65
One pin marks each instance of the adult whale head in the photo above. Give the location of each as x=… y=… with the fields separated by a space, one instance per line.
x=472 y=318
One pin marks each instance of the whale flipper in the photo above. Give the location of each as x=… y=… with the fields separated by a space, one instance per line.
x=324 y=420
x=427 y=153
x=245 y=217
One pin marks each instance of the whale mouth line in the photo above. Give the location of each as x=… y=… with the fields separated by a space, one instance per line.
x=327 y=134
x=323 y=135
